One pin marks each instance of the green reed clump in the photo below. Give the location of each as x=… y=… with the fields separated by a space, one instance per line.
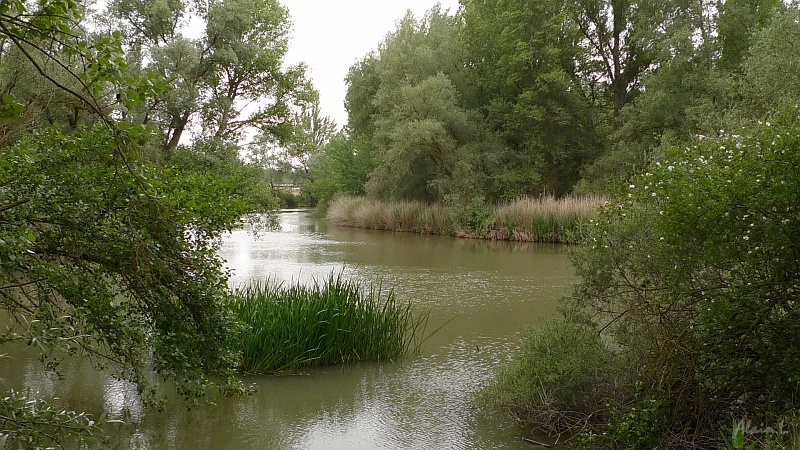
x=334 y=322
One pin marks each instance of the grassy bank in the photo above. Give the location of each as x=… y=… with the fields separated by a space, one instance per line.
x=333 y=322
x=529 y=220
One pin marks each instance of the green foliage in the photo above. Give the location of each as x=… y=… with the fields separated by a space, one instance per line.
x=292 y=154
x=341 y=167
x=738 y=20
x=691 y=270
x=772 y=69
x=237 y=59
x=737 y=437
x=215 y=169
x=333 y=322
x=424 y=140
x=639 y=427
x=108 y=225
x=475 y=217
x=564 y=375
x=512 y=99
x=30 y=422
x=96 y=260
x=522 y=62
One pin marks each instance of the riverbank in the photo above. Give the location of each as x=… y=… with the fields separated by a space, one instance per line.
x=545 y=219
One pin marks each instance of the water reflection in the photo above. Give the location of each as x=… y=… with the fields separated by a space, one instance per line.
x=486 y=292
x=122 y=400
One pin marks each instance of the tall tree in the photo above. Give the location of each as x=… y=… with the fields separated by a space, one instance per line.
x=405 y=101
x=228 y=81
x=738 y=20
x=522 y=63
x=772 y=68
x=624 y=39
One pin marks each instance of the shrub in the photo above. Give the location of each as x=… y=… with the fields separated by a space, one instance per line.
x=564 y=375
x=690 y=274
x=693 y=273
x=474 y=217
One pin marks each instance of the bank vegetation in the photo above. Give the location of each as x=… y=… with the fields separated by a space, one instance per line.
x=545 y=219
x=684 y=329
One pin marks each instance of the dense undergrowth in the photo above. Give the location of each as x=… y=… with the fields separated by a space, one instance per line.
x=684 y=330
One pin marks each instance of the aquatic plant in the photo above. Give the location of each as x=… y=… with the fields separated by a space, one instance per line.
x=333 y=322
x=545 y=219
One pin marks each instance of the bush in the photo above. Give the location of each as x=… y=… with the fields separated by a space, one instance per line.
x=693 y=272
x=287 y=199
x=564 y=375
x=474 y=217
x=690 y=274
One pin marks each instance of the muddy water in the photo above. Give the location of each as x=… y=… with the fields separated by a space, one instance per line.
x=482 y=293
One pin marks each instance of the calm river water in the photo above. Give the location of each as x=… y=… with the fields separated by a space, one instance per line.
x=485 y=292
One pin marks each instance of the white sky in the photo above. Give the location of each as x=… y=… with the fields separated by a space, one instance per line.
x=330 y=36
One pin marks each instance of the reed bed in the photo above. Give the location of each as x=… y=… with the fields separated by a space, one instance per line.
x=333 y=322
x=545 y=219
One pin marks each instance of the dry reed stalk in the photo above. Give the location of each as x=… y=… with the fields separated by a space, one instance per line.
x=545 y=219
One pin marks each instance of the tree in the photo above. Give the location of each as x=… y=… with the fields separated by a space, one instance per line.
x=310 y=132
x=738 y=20
x=341 y=167
x=363 y=82
x=624 y=41
x=405 y=101
x=521 y=61
x=106 y=252
x=424 y=141
x=228 y=81
x=772 y=69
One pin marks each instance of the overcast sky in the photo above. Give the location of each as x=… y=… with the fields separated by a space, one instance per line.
x=330 y=36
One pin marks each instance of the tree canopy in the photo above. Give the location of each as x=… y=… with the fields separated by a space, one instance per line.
x=110 y=214
x=518 y=99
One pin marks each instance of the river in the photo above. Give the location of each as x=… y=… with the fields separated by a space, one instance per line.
x=482 y=294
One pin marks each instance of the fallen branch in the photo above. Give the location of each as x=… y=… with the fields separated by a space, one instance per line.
x=536 y=443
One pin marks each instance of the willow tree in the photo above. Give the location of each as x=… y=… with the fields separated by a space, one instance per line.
x=106 y=253
x=229 y=81
x=521 y=60
x=406 y=101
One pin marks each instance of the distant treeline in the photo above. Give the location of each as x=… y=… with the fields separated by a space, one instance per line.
x=526 y=220
x=508 y=99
